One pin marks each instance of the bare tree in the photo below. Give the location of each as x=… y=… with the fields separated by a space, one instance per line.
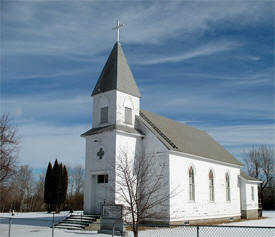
x=260 y=163
x=22 y=183
x=75 y=188
x=38 y=194
x=22 y=192
x=142 y=187
x=9 y=141
x=76 y=177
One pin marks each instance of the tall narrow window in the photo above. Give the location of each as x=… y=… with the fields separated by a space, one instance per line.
x=128 y=115
x=211 y=186
x=252 y=193
x=227 y=186
x=104 y=115
x=191 y=185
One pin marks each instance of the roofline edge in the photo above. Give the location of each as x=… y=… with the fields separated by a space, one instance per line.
x=204 y=158
x=250 y=180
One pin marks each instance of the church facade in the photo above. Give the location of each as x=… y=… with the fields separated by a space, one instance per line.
x=209 y=177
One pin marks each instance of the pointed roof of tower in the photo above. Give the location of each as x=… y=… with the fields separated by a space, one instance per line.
x=116 y=74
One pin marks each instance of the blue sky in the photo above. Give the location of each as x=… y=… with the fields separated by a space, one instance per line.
x=209 y=64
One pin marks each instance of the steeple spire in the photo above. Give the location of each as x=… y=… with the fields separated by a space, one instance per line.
x=116 y=74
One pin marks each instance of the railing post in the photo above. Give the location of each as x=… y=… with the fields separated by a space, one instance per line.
x=113 y=232
x=198 y=231
x=10 y=227
x=53 y=226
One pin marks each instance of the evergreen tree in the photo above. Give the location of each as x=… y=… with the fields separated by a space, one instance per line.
x=56 y=185
x=60 y=186
x=64 y=184
x=48 y=192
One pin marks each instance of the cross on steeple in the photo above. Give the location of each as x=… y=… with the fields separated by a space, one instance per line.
x=117 y=29
x=100 y=153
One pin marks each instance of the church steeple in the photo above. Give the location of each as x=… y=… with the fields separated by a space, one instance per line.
x=116 y=75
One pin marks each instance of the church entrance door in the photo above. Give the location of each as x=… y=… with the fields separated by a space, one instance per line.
x=99 y=192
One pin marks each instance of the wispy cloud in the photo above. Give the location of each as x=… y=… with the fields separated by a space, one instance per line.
x=240 y=138
x=242 y=135
x=210 y=102
x=69 y=72
x=58 y=28
x=44 y=107
x=204 y=50
x=240 y=80
x=41 y=143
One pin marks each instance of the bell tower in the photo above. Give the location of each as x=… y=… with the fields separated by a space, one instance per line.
x=116 y=97
x=116 y=103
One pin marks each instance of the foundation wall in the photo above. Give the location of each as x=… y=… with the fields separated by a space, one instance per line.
x=250 y=214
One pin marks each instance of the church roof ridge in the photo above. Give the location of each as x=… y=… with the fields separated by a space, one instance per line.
x=116 y=74
x=157 y=129
x=184 y=138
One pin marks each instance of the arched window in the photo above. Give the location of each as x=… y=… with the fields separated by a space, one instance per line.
x=191 y=185
x=227 y=185
x=211 y=186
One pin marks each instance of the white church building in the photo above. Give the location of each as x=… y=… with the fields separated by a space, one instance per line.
x=213 y=186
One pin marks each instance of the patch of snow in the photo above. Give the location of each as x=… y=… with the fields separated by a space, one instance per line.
x=37 y=224
x=268 y=220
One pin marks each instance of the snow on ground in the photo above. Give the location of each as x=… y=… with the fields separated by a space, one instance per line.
x=268 y=220
x=36 y=224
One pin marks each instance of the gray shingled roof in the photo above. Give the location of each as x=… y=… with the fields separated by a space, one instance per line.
x=116 y=74
x=246 y=176
x=183 y=138
x=110 y=128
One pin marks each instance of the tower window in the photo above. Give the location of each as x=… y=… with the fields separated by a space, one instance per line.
x=128 y=115
x=104 y=115
x=102 y=178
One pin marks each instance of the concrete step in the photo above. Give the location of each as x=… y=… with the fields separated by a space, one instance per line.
x=83 y=218
x=70 y=225
x=68 y=228
x=76 y=221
